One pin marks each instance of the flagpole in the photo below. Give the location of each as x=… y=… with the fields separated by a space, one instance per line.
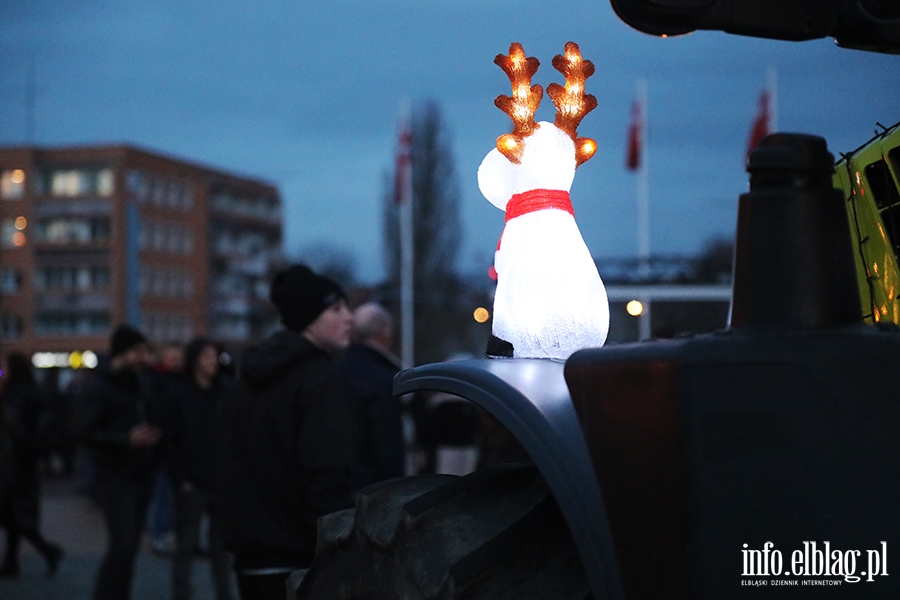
x=643 y=209
x=772 y=85
x=643 y=188
x=407 y=335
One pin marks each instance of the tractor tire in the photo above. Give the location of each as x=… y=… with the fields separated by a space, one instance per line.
x=490 y=535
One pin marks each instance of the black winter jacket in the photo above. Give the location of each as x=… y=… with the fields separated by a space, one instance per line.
x=191 y=430
x=109 y=405
x=287 y=453
x=379 y=425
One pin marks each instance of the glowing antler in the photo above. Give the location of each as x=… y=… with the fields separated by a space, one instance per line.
x=572 y=104
x=523 y=103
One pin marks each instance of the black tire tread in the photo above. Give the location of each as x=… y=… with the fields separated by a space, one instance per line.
x=494 y=534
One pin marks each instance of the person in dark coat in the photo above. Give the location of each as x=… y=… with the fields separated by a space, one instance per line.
x=369 y=368
x=191 y=440
x=115 y=421
x=288 y=445
x=167 y=370
x=22 y=406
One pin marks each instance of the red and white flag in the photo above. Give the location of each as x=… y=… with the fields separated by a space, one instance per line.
x=635 y=132
x=760 y=127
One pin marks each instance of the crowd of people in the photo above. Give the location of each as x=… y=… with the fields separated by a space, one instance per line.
x=197 y=456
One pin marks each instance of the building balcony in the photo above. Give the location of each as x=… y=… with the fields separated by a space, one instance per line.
x=72 y=302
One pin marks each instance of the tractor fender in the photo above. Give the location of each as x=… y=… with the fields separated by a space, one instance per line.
x=531 y=399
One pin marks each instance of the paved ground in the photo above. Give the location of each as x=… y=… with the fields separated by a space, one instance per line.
x=72 y=521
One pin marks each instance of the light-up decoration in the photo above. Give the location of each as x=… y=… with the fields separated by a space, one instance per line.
x=549 y=300
x=21 y=223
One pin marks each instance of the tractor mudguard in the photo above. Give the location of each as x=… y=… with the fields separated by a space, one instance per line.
x=531 y=399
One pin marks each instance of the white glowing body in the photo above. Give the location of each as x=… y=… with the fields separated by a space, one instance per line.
x=550 y=300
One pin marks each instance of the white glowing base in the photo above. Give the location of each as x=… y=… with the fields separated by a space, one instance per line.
x=550 y=300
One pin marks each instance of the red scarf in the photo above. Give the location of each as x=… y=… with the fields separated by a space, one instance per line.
x=535 y=200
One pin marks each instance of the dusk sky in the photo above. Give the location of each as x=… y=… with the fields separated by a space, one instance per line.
x=305 y=95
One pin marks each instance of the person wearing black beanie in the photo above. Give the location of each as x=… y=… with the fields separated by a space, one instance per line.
x=288 y=443
x=123 y=339
x=300 y=295
x=114 y=421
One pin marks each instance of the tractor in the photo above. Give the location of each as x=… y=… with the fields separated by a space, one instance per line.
x=708 y=466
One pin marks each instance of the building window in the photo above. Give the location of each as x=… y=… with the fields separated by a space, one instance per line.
x=162 y=236
x=58 y=324
x=72 y=230
x=68 y=279
x=69 y=183
x=10 y=281
x=10 y=326
x=12 y=184
x=159 y=282
x=136 y=184
x=158 y=194
x=105 y=183
x=266 y=208
x=167 y=327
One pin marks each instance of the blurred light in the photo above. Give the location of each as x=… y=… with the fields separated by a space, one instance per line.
x=18 y=239
x=88 y=359
x=481 y=315
x=47 y=360
x=492 y=272
x=21 y=223
x=18 y=176
x=74 y=360
x=634 y=308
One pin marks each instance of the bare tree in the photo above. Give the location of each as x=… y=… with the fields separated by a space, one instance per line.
x=436 y=200
x=437 y=236
x=714 y=264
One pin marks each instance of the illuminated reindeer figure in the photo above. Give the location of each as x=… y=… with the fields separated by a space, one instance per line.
x=550 y=300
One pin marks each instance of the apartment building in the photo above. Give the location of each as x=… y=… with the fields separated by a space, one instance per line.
x=91 y=237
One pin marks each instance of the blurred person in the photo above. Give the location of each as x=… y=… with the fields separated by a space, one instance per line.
x=288 y=444
x=59 y=458
x=23 y=406
x=454 y=434
x=115 y=422
x=167 y=370
x=83 y=468
x=191 y=442
x=227 y=367
x=448 y=429
x=369 y=368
